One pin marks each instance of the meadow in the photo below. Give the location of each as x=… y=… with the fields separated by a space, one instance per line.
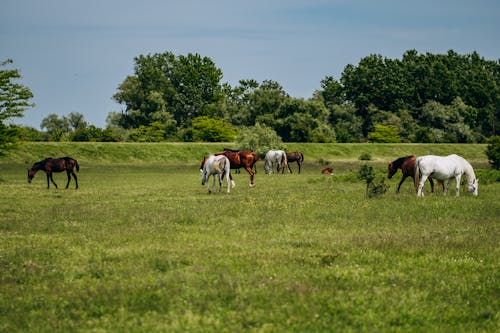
x=142 y=247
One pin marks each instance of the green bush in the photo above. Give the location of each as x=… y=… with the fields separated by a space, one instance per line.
x=259 y=138
x=493 y=151
x=365 y=157
x=208 y=129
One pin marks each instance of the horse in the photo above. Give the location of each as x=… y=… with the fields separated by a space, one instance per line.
x=294 y=157
x=237 y=169
x=50 y=165
x=327 y=171
x=444 y=168
x=278 y=157
x=241 y=159
x=218 y=167
x=407 y=166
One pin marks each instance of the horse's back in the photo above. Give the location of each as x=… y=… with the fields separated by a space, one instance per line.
x=441 y=167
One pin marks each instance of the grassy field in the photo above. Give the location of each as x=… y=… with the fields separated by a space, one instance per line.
x=142 y=247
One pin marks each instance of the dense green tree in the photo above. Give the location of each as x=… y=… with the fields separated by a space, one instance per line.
x=76 y=121
x=493 y=151
x=183 y=86
x=56 y=127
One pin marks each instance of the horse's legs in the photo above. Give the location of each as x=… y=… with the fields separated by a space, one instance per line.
x=457 y=178
x=432 y=184
x=49 y=175
x=289 y=169
x=299 y=164
x=447 y=186
x=250 y=172
x=401 y=182
x=68 y=173
x=76 y=180
x=420 y=192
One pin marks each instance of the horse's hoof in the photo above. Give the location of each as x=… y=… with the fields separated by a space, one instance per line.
x=251 y=185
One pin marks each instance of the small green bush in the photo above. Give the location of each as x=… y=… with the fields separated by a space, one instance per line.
x=365 y=157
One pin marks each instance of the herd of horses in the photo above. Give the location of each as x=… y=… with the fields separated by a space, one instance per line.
x=219 y=165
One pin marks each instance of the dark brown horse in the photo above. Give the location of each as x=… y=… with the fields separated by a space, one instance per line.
x=296 y=156
x=241 y=159
x=407 y=166
x=50 y=165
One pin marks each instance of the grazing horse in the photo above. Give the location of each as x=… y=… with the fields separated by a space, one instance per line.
x=50 y=165
x=444 y=168
x=241 y=159
x=237 y=169
x=278 y=157
x=327 y=171
x=218 y=167
x=296 y=156
x=407 y=166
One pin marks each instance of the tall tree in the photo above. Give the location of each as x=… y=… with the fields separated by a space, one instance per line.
x=14 y=101
x=183 y=86
x=14 y=97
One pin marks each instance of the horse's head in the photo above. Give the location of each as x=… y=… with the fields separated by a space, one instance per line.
x=31 y=174
x=391 y=170
x=474 y=186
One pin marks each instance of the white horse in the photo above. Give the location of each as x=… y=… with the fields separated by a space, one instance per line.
x=444 y=168
x=218 y=167
x=278 y=157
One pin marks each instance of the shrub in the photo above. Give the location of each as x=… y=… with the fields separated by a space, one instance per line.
x=259 y=138
x=365 y=157
x=373 y=189
x=493 y=151
x=212 y=130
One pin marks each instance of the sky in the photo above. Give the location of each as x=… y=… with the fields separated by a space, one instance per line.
x=74 y=54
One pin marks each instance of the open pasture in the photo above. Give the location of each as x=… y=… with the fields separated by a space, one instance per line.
x=141 y=246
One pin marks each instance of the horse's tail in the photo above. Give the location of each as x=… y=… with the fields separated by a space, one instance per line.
x=301 y=157
x=226 y=167
x=416 y=179
x=69 y=161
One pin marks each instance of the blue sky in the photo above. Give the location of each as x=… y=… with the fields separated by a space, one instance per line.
x=74 y=54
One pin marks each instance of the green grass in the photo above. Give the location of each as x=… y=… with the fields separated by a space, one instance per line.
x=142 y=247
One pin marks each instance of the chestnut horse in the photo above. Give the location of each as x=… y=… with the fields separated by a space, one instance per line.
x=296 y=156
x=50 y=165
x=241 y=159
x=407 y=166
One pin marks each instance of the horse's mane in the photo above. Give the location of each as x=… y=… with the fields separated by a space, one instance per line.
x=399 y=162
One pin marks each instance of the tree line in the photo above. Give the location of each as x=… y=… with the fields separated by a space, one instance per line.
x=428 y=98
